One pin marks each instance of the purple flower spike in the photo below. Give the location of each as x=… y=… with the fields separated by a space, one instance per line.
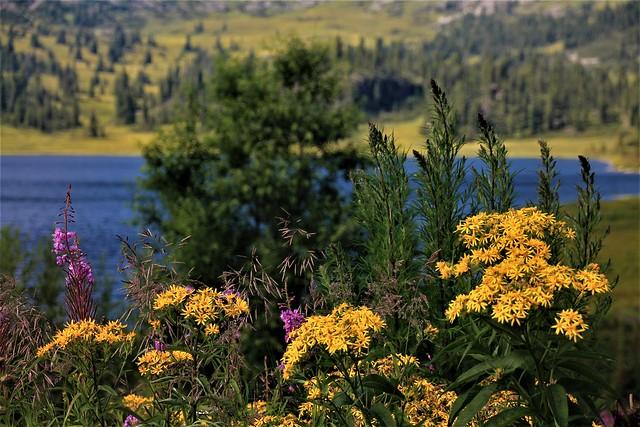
x=78 y=274
x=159 y=345
x=431 y=368
x=292 y=320
x=130 y=421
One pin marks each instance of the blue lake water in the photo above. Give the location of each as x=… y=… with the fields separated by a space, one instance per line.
x=32 y=190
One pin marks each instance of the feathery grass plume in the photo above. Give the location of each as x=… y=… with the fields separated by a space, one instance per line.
x=494 y=184
x=149 y=267
x=78 y=273
x=441 y=200
x=22 y=330
x=548 y=196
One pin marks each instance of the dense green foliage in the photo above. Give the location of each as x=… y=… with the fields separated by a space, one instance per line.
x=262 y=148
x=368 y=344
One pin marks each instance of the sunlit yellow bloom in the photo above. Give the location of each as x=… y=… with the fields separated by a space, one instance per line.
x=155 y=362
x=135 y=402
x=211 y=329
x=345 y=329
x=514 y=259
x=171 y=297
x=570 y=324
x=235 y=305
x=394 y=363
x=87 y=332
x=444 y=269
x=430 y=331
x=155 y=324
x=178 y=419
x=427 y=403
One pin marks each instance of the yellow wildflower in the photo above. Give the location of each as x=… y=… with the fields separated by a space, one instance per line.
x=171 y=297
x=86 y=332
x=155 y=324
x=430 y=331
x=427 y=403
x=235 y=305
x=570 y=324
x=211 y=329
x=345 y=329
x=155 y=362
x=517 y=276
x=135 y=402
x=394 y=363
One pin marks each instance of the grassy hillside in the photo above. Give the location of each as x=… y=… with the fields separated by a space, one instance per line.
x=238 y=31
x=602 y=144
x=260 y=31
x=622 y=246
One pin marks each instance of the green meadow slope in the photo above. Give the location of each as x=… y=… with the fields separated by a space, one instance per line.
x=242 y=28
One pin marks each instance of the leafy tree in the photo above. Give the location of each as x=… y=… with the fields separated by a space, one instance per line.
x=263 y=148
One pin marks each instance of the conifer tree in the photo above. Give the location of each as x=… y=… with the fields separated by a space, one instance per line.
x=125 y=102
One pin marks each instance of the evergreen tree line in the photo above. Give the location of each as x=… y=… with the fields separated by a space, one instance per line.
x=496 y=64
x=24 y=101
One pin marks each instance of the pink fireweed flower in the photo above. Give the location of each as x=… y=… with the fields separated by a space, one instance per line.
x=130 y=421
x=292 y=320
x=68 y=254
x=60 y=242
x=78 y=274
x=159 y=345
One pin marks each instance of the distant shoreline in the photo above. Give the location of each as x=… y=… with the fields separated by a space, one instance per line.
x=611 y=166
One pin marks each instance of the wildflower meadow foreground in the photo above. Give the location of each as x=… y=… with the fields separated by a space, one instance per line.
x=452 y=308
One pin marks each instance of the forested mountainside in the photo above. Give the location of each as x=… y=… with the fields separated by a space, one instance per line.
x=532 y=67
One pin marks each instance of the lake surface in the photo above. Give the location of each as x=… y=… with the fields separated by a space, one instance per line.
x=32 y=191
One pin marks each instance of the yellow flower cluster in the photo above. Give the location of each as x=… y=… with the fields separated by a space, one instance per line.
x=347 y=328
x=288 y=420
x=517 y=275
x=155 y=362
x=428 y=404
x=571 y=324
x=259 y=417
x=135 y=402
x=395 y=363
x=87 y=332
x=204 y=306
x=430 y=331
x=171 y=297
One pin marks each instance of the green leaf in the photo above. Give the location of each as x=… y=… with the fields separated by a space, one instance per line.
x=460 y=403
x=381 y=384
x=559 y=405
x=475 y=405
x=342 y=399
x=507 y=418
x=586 y=371
x=507 y=363
x=382 y=414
